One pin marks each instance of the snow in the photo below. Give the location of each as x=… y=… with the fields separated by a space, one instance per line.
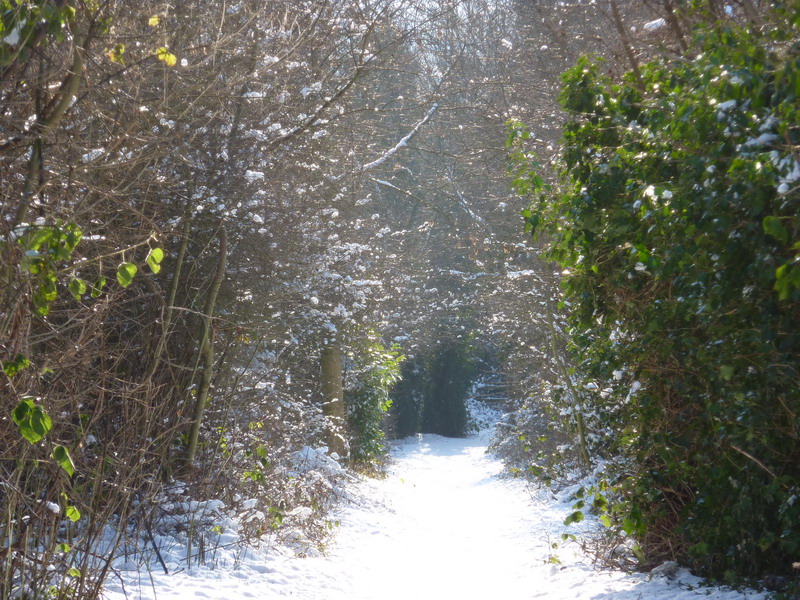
x=443 y=524
x=654 y=25
x=12 y=38
x=762 y=140
x=402 y=143
x=93 y=155
x=727 y=105
x=252 y=176
x=313 y=88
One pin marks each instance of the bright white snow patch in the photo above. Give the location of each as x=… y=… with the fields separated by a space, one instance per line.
x=441 y=525
x=12 y=38
x=653 y=25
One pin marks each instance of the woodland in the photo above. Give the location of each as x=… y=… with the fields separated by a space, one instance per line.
x=233 y=232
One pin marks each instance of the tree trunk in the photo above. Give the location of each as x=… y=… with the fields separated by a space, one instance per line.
x=207 y=348
x=331 y=377
x=626 y=43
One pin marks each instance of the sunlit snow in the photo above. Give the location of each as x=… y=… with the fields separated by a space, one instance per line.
x=442 y=525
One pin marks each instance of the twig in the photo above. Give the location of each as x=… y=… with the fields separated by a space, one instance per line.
x=155 y=546
x=755 y=460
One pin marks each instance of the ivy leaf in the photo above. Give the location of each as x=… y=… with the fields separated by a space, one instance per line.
x=62 y=457
x=787 y=277
x=125 y=273
x=774 y=227
x=575 y=517
x=154 y=258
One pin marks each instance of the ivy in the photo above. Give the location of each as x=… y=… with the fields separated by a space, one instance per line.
x=368 y=399
x=676 y=224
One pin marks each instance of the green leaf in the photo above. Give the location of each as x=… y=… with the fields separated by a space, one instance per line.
x=40 y=424
x=629 y=526
x=73 y=514
x=32 y=421
x=698 y=550
x=154 y=258
x=605 y=520
x=71 y=239
x=575 y=517
x=726 y=372
x=77 y=287
x=98 y=286
x=20 y=413
x=17 y=364
x=62 y=457
x=38 y=238
x=774 y=227
x=73 y=572
x=600 y=502
x=125 y=273
x=787 y=277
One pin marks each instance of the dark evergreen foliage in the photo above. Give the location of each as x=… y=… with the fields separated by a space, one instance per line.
x=677 y=229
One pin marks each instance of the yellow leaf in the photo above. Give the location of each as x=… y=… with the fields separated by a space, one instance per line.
x=154 y=21
x=164 y=54
x=116 y=53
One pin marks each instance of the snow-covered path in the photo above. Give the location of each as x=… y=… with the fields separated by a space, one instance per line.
x=442 y=525
x=448 y=529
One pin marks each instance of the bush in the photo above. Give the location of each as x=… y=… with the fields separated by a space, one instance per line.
x=368 y=400
x=678 y=230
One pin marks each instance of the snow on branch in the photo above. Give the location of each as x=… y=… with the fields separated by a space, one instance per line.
x=391 y=152
x=394 y=150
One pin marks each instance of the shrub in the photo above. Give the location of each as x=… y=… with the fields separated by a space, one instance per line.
x=677 y=228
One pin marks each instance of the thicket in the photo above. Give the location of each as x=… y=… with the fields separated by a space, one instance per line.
x=163 y=302
x=676 y=224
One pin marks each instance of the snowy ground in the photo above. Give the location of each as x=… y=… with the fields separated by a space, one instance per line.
x=442 y=525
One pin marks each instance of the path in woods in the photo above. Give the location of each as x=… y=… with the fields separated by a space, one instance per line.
x=442 y=525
